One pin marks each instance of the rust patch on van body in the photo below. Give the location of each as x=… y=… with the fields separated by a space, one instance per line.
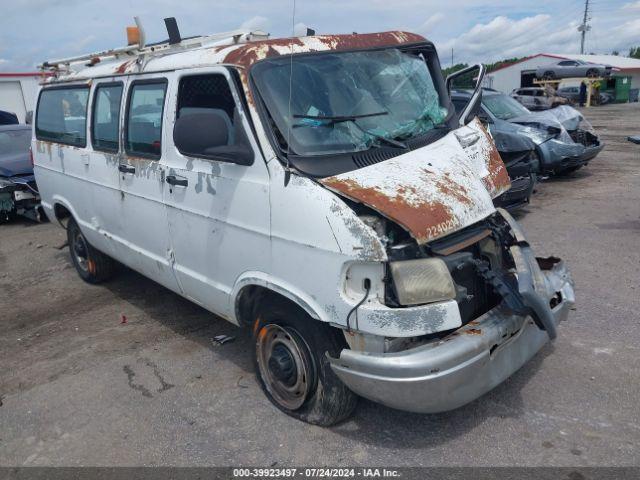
x=432 y=191
x=247 y=54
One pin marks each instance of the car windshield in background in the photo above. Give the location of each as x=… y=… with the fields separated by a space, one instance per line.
x=15 y=141
x=504 y=107
x=351 y=101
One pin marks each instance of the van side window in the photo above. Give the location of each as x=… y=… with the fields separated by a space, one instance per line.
x=62 y=115
x=106 y=115
x=207 y=93
x=144 y=118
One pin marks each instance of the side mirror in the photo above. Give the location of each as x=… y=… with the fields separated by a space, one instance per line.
x=206 y=135
x=472 y=108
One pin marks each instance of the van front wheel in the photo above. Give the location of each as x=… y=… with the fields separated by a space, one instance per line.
x=292 y=368
x=92 y=266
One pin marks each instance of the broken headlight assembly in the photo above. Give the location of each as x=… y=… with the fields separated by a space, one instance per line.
x=424 y=280
x=7 y=185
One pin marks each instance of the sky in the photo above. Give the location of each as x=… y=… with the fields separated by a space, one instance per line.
x=32 y=31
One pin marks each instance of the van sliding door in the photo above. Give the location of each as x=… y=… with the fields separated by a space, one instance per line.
x=142 y=174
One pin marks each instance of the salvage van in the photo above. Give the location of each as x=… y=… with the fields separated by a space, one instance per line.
x=320 y=191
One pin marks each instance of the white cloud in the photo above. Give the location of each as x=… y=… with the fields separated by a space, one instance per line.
x=504 y=37
x=433 y=22
x=300 y=29
x=256 y=23
x=632 y=6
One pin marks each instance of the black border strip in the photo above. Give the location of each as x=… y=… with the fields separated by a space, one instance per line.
x=94 y=98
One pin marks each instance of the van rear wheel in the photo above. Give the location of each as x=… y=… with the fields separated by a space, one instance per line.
x=92 y=266
x=292 y=369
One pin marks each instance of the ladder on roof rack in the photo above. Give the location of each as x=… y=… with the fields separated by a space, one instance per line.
x=139 y=49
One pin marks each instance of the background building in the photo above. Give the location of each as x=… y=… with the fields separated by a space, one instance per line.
x=18 y=92
x=522 y=73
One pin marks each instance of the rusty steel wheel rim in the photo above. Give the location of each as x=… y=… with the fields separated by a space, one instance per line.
x=80 y=251
x=285 y=365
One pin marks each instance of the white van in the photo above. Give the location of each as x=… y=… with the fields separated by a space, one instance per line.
x=320 y=191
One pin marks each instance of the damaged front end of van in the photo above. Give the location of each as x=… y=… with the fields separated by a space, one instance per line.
x=442 y=297
x=467 y=269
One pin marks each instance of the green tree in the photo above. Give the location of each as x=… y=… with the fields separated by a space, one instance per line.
x=634 y=52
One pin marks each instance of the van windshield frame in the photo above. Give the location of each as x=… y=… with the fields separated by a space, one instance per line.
x=361 y=128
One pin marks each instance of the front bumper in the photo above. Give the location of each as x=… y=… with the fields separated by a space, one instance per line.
x=19 y=196
x=455 y=370
x=519 y=193
x=557 y=156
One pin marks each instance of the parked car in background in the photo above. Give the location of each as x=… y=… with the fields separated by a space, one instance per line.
x=564 y=140
x=538 y=98
x=518 y=151
x=573 y=94
x=342 y=209
x=8 y=118
x=18 y=191
x=572 y=69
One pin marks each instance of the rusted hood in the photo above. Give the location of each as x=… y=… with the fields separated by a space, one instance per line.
x=435 y=190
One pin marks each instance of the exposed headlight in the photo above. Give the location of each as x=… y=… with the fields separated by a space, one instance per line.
x=422 y=281
x=586 y=126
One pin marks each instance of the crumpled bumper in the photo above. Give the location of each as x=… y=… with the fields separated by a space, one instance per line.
x=448 y=373
x=556 y=155
x=519 y=193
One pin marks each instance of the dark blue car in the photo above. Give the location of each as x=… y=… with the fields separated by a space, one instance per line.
x=18 y=191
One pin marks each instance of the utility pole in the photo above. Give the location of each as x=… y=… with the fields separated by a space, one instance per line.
x=584 y=28
x=452 y=56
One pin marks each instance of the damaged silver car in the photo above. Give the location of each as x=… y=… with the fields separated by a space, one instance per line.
x=320 y=191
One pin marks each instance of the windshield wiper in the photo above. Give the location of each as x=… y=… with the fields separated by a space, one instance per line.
x=332 y=120
x=340 y=118
x=390 y=141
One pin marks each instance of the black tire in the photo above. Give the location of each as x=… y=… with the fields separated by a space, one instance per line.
x=291 y=366
x=592 y=73
x=92 y=265
x=7 y=217
x=549 y=75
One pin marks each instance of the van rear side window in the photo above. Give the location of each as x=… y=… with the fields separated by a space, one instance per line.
x=62 y=115
x=106 y=115
x=144 y=118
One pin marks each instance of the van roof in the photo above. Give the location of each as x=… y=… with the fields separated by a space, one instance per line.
x=241 y=55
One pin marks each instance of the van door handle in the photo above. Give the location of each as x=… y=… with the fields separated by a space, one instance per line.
x=126 y=168
x=173 y=180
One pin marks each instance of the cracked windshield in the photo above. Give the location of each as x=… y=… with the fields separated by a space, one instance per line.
x=348 y=102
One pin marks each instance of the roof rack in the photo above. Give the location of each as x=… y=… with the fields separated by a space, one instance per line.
x=141 y=48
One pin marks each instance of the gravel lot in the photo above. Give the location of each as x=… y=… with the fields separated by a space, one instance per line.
x=78 y=387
